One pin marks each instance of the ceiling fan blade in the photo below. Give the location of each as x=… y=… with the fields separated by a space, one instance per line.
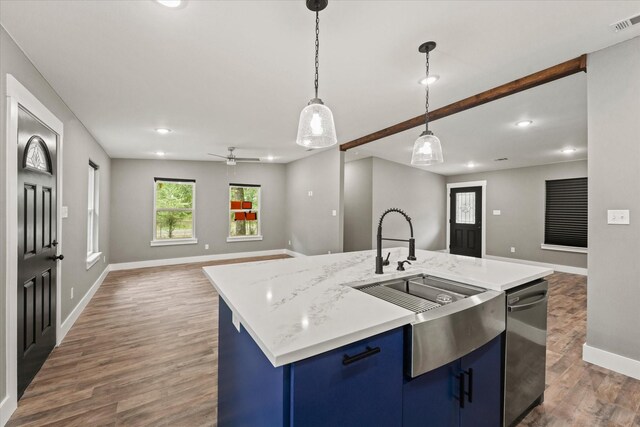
x=247 y=159
x=217 y=155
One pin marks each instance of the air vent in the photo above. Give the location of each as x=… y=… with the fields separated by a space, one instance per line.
x=625 y=23
x=501 y=159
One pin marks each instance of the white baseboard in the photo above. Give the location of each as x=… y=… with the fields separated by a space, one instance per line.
x=73 y=316
x=7 y=408
x=555 y=267
x=612 y=361
x=293 y=254
x=192 y=259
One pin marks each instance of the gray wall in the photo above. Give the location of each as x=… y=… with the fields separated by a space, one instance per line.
x=421 y=194
x=311 y=227
x=614 y=183
x=358 y=204
x=520 y=196
x=132 y=207
x=78 y=147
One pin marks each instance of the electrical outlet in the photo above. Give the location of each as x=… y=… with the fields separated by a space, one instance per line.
x=289 y=242
x=65 y=212
x=310 y=193
x=618 y=217
x=71 y=293
x=513 y=249
x=328 y=252
x=104 y=258
x=206 y=246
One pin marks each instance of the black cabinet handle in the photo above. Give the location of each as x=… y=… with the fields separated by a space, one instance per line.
x=54 y=243
x=470 y=392
x=55 y=258
x=462 y=392
x=347 y=360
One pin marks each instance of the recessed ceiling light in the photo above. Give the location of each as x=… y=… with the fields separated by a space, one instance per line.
x=170 y=3
x=270 y=158
x=160 y=153
x=568 y=150
x=429 y=80
x=524 y=123
x=163 y=131
x=471 y=165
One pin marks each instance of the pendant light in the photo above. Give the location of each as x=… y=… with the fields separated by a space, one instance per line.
x=316 y=128
x=427 y=149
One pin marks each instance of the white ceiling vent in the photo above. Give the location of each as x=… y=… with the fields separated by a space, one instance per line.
x=625 y=23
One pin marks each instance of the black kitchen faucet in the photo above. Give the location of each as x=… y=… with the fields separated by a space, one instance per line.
x=412 y=242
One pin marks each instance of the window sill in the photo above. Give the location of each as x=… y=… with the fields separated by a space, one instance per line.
x=243 y=239
x=172 y=242
x=561 y=248
x=93 y=259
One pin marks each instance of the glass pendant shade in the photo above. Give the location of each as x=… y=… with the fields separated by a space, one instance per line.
x=316 y=128
x=427 y=150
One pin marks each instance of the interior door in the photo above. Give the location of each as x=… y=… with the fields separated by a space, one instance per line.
x=37 y=261
x=466 y=221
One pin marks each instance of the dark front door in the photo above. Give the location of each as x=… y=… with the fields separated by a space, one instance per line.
x=466 y=221
x=36 y=246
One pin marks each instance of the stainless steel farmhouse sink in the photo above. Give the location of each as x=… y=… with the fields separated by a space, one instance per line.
x=452 y=319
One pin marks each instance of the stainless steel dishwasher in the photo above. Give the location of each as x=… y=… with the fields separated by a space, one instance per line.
x=526 y=346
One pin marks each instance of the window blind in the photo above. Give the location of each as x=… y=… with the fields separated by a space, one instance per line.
x=566 y=212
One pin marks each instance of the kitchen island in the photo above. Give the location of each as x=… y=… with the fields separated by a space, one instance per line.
x=286 y=327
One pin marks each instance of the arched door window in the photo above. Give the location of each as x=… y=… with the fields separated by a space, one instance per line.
x=36 y=155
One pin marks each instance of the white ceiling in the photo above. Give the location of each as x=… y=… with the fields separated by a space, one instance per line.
x=238 y=73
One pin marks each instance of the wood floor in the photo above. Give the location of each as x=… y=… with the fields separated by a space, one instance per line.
x=144 y=352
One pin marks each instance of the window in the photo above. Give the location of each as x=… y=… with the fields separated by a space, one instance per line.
x=93 y=215
x=174 y=212
x=244 y=212
x=566 y=215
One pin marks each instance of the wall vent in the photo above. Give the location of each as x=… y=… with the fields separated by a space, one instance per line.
x=625 y=23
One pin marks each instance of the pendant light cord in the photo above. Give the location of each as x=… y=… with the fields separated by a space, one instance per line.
x=317 y=49
x=426 y=102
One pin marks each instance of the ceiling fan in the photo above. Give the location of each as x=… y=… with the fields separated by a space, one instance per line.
x=232 y=159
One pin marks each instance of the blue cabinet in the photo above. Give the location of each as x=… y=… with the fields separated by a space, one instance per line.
x=434 y=399
x=430 y=399
x=251 y=392
x=358 y=384
x=483 y=382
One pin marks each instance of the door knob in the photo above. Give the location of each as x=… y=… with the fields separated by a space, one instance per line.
x=58 y=257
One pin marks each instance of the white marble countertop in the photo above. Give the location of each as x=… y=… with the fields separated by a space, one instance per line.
x=299 y=307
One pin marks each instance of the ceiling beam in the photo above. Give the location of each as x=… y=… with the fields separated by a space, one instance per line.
x=556 y=72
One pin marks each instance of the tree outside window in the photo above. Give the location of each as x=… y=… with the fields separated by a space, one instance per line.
x=244 y=212
x=174 y=202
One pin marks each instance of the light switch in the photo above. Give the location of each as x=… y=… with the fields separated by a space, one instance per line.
x=618 y=217
x=64 y=212
x=496 y=212
x=310 y=193
x=334 y=212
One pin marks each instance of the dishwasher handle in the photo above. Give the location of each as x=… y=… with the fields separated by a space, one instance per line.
x=521 y=307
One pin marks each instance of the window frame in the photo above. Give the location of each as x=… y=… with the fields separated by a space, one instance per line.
x=254 y=238
x=182 y=241
x=554 y=246
x=93 y=215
